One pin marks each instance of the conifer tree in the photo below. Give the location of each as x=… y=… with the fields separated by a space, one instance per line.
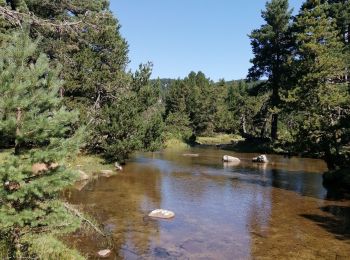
x=84 y=36
x=32 y=115
x=271 y=48
x=320 y=96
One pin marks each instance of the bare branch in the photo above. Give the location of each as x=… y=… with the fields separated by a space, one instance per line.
x=17 y=19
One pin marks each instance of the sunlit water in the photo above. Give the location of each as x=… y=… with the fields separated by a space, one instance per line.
x=278 y=210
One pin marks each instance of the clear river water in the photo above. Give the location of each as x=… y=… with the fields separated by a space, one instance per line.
x=278 y=210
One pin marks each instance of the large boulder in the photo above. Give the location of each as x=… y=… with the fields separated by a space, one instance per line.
x=227 y=158
x=260 y=159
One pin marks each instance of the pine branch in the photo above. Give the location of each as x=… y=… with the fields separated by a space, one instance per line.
x=17 y=19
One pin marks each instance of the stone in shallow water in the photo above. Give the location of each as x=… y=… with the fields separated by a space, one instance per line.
x=260 y=159
x=227 y=158
x=161 y=213
x=104 y=253
x=83 y=176
x=107 y=173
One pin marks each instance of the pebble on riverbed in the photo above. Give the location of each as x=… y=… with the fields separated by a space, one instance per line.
x=161 y=213
x=104 y=253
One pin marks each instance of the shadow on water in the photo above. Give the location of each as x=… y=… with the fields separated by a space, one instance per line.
x=337 y=220
x=305 y=184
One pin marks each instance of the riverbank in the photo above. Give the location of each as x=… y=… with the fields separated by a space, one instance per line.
x=87 y=165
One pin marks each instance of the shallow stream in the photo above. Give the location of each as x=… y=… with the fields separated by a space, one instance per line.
x=277 y=210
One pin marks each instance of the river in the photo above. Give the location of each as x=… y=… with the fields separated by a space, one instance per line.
x=278 y=210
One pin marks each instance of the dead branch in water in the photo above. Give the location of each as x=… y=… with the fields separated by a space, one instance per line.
x=80 y=215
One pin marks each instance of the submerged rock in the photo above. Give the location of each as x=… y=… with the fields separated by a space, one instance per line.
x=231 y=164
x=107 y=173
x=104 y=253
x=161 y=213
x=227 y=158
x=260 y=159
x=83 y=176
x=80 y=185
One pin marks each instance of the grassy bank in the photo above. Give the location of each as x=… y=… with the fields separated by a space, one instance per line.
x=92 y=165
x=175 y=143
x=218 y=139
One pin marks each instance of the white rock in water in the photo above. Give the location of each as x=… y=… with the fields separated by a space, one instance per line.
x=227 y=158
x=118 y=167
x=104 y=253
x=161 y=213
x=260 y=159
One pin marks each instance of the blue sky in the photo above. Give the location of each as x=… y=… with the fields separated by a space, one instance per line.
x=179 y=36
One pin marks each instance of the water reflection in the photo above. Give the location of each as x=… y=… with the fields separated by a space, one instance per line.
x=222 y=211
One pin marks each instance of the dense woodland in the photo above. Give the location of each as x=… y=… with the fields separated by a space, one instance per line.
x=65 y=88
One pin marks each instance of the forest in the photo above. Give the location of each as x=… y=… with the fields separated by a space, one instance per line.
x=65 y=89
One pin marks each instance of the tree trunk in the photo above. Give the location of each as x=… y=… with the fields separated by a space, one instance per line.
x=264 y=128
x=61 y=92
x=274 y=126
x=329 y=158
x=275 y=101
x=242 y=129
x=18 y=130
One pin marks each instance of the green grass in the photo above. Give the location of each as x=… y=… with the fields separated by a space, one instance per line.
x=90 y=164
x=218 y=139
x=174 y=143
x=4 y=154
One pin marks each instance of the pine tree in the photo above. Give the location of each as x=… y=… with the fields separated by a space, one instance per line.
x=271 y=48
x=85 y=38
x=31 y=179
x=320 y=96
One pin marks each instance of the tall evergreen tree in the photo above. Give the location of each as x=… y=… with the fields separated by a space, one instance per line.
x=271 y=49
x=85 y=38
x=320 y=96
x=31 y=179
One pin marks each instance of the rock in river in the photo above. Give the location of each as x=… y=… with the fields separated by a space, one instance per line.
x=161 y=213
x=118 y=167
x=260 y=159
x=227 y=158
x=107 y=173
x=104 y=253
x=83 y=176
